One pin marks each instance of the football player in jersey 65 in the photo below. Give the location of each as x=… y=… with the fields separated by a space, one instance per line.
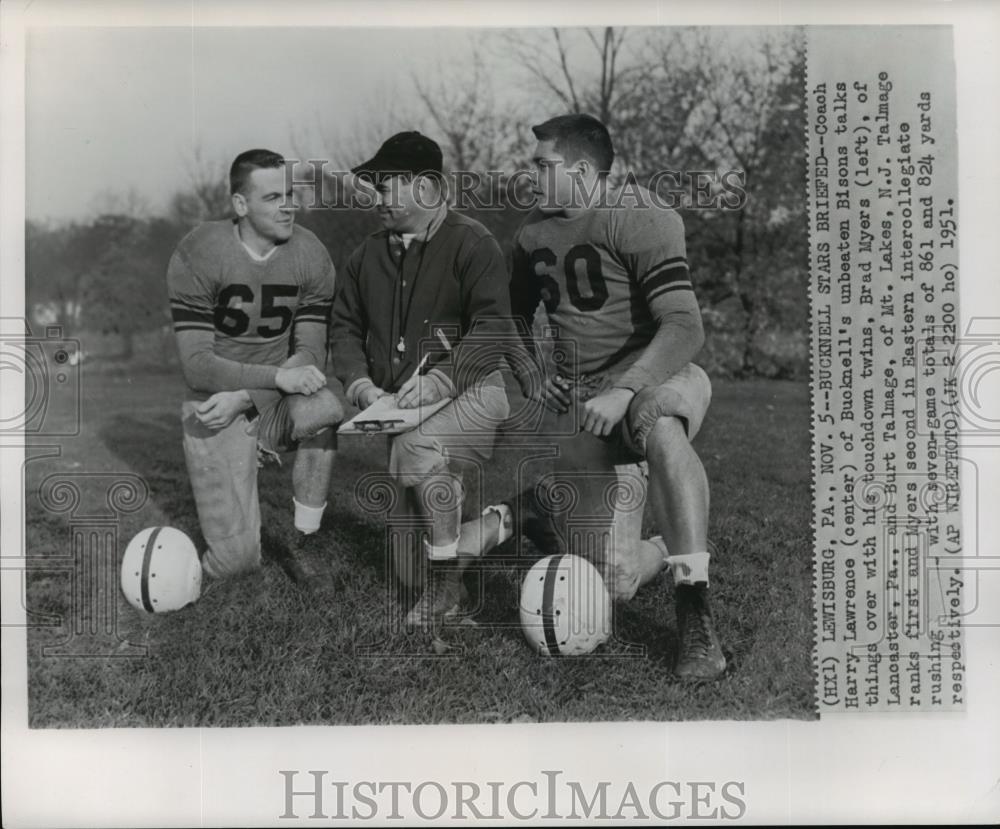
x=250 y=300
x=609 y=264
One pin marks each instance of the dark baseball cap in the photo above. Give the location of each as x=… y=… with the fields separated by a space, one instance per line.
x=406 y=152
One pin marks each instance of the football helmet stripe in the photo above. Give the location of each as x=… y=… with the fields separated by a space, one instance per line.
x=548 y=614
x=147 y=560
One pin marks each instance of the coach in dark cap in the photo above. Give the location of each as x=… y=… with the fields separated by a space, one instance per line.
x=409 y=298
x=405 y=153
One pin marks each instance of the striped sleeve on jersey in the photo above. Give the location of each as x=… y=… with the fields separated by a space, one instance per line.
x=668 y=275
x=315 y=312
x=192 y=298
x=190 y=317
x=317 y=289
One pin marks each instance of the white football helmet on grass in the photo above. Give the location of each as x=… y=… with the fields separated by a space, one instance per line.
x=161 y=571
x=565 y=606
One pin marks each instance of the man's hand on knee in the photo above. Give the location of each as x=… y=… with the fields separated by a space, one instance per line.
x=605 y=411
x=222 y=408
x=300 y=380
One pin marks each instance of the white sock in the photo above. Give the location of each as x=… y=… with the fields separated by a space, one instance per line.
x=506 y=529
x=307 y=519
x=443 y=553
x=658 y=542
x=689 y=569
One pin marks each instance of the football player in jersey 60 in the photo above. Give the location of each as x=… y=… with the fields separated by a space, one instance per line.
x=610 y=267
x=250 y=300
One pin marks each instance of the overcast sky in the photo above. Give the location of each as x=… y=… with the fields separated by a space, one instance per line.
x=120 y=109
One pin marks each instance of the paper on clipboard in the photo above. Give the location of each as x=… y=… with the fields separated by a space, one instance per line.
x=384 y=417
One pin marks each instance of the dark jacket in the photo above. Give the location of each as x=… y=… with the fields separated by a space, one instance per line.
x=433 y=295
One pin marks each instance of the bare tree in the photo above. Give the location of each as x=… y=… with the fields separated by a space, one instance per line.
x=479 y=131
x=346 y=142
x=463 y=110
x=206 y=196
x=582 y=70
x=736 y=105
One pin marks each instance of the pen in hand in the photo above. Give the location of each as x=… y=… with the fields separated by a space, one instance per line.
x=405 y=389
x=421 y=365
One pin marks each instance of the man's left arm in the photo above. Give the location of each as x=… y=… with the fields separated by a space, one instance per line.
x=678 y=339
x=486 y=305
x=310 y=333
x=657 y=258
x=485 y=302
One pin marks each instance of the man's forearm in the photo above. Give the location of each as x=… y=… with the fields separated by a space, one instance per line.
x=349 y=363
x=301 y=358
x=207 y=372
x=348 y=332
x=675 y=344
x=310 y=346
x=357 y=389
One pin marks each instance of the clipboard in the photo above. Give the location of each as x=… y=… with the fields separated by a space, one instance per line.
x=384 y=417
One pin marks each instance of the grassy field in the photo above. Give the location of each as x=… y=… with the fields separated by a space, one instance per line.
x=256 y=651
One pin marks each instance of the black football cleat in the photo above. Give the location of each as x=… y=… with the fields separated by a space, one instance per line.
x=444 y=597
x=304 y=562
x=700 y=655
